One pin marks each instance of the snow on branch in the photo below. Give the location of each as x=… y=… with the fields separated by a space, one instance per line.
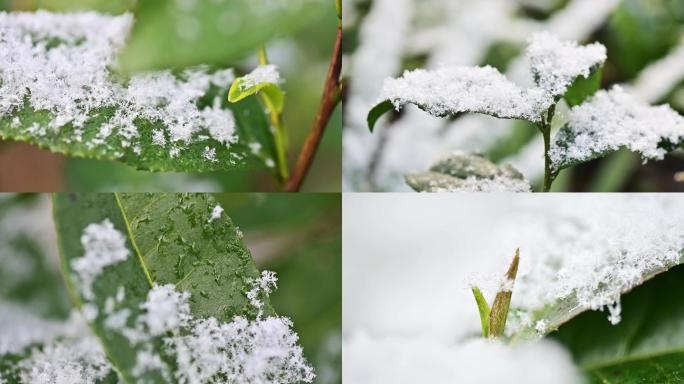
x=612 y=120
x=555 y=64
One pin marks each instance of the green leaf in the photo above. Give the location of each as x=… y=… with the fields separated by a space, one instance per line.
x=377 y=112
x=484 y=310
x=171 y=240
x=271 y=92
x=582 y=88
x=647 y=346
x=175 y=34
x=467 y=172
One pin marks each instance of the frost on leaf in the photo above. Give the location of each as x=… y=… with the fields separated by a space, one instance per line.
x=612 y=120
x=464 y=172
x=555 y=64
x=59 y=89
x=452 y=90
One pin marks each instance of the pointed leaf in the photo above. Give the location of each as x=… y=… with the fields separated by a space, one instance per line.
x=502 y=301
x=483 y=308
x=377 y=112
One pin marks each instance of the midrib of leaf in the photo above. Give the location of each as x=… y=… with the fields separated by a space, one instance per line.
x=130 y=235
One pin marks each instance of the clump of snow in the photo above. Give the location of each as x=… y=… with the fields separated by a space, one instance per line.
x=216 y=213
x=104 y=245
x=262 y=286
x=260 y=75
x=614 y=119
x=242 y=351
x=555 y=64
x=451 y=90
x=166 y=309
x=206 y=350
x=21 y=328
x=65 y=362
x=62 y=63
x=58 y=352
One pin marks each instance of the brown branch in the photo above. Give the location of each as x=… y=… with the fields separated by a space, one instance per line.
x=332 y=95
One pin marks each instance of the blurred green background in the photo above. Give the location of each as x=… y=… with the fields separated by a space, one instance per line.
x=296 y=235
x=303 y=58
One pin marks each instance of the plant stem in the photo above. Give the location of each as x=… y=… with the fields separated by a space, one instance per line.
x=545 y=128
x=278 y=129
x=332 y=95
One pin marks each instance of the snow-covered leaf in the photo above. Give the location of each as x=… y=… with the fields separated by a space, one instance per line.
x=612 y=120
x=58 y=90
x=465 y=172
x=181 y=33
x=555 y=64
x=172 y=292
x=265 y=80
x=449 y=91
x=648 y=344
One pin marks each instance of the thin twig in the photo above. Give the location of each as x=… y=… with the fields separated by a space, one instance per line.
x=332 y=94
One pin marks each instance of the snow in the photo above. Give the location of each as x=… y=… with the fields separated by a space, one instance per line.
x=66 y=362
x=555 y=63
x=206 y=350
x=262 y=286
x=103 y=246
x=260 y=75
x=59 y=352
x=614 y=119
x=166 y=309
x=451 y=90
x=216 y=213
x=419 y=305
x=62 y=63
x=410 y=359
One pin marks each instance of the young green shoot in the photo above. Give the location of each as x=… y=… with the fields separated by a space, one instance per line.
x=494 y=320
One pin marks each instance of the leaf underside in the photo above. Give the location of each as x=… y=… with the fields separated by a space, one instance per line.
x=172 y=34
x=170 y=241
x=377 y=112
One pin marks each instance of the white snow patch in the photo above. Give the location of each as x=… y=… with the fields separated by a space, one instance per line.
x=555 y=63
x=451 y=90
x=166 y=309
x=216 y=213
x=260 y=75
x=614 y=119
x=104 y=245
